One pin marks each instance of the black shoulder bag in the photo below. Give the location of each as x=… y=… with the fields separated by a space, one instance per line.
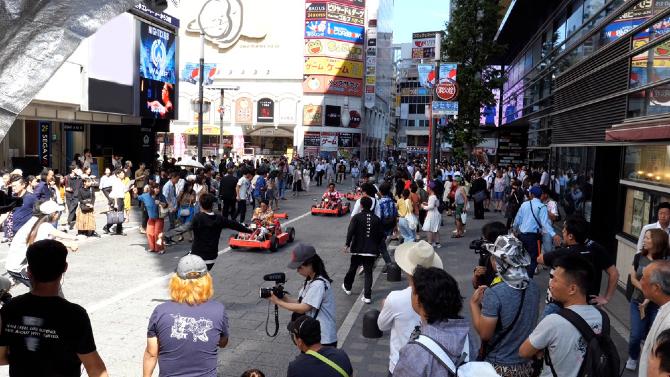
x=486 y=348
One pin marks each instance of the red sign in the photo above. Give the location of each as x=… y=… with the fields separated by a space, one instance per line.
x=332 y=85
x=447 y=90
x=355 y=119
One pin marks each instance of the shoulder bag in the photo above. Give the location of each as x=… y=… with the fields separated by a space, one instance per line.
x=328 y=362
x=486 y=348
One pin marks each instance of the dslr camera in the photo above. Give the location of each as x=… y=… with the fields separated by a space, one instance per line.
x=478 y=246
x=279 y=278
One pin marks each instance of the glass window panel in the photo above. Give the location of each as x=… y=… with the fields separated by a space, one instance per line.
x=591 y=7
x=622 y=25
x=657 y=30
x=575 y=18
x=648 y=163
x=650 y=66
x=652 y=101
x=636 y=211
x=559 y=30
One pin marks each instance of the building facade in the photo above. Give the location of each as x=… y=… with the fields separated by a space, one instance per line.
x=587 y=79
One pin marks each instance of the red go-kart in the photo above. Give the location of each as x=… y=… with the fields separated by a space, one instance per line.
x=272 y=240
x=330 y=207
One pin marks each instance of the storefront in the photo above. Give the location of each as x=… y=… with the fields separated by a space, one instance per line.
x=331 y=144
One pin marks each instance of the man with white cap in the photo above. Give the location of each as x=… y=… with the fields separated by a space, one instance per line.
x=505 y=313
x=185 y=333
x=397 y=314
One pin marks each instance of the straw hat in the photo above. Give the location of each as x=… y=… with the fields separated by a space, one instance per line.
x=411 y=254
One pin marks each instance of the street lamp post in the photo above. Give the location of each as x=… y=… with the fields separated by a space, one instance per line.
x=433 y=152
x=201 y=92
x=222 y=109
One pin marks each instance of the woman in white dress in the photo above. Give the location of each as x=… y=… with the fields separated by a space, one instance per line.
x=305 y=179
x=431 y=224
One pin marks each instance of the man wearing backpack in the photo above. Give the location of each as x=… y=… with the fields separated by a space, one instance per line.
x=389 y=219
x=576 y=340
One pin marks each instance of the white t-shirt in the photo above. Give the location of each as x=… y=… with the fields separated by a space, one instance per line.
x=16 y=256
x=566 y=345
x=319 y=295
x=398 y=316
x=243 y=184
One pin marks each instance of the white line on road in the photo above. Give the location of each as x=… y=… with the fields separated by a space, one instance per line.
x=95 y=306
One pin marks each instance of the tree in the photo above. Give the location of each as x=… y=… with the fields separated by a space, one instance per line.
x=470 y=43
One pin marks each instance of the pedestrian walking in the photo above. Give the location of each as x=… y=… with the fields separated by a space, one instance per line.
x=406 y=218
x=655 y=284
x=479 y=194
x=499 y=186
x=514 y=201
x=243 y=192
x=437 y=299
x=397 y=314
x=297 y=180
x=227 y=194
x=185 y=333
x=431 y=224
x=505 y=313
x=85 y=219
x=364 y=236
x=461 y=206
x=60 y=339
x=529 y=223
x=315 y=298
x=157 y=208
x=314 y=358
x=642 y=311
x=72 y=185
x=305 y=179
x=320 y=171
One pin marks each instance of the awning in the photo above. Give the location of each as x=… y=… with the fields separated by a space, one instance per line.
x=639 y=131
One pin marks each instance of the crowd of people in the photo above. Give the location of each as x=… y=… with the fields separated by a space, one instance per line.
x=506 y=334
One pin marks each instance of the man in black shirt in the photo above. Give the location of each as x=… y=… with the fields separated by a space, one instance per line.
x=207 y=227
x=575 y=237
x=43 y=334
x=227 y=193
x=315 y=359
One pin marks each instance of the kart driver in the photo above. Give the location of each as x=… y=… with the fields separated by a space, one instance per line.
x=266 y=216
x=332 y=195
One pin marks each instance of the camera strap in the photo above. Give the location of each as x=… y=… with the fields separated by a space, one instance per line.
x=267 y=320
x=325 y=287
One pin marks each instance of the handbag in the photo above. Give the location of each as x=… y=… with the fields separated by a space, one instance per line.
x=115 y=217
x=185 y=211
x=163 y=212
x=630 y=289
x=464 y=217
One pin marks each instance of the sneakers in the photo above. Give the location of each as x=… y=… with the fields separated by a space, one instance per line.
x=365 y=300
x=631 y=364
x=345 y=290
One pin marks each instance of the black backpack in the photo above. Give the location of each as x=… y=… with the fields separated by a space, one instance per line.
x=601 y=358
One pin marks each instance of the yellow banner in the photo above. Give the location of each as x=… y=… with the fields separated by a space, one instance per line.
x=333 y=67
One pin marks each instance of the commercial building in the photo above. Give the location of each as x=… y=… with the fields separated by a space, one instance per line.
x=587 y=78
x=96 y=99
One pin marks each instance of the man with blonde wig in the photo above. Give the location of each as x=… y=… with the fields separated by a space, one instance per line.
x=185 y=333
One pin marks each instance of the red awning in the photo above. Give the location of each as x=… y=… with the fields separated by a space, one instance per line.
x=638 y=132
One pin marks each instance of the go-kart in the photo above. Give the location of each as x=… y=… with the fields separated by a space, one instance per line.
x=354 y=196
x=272 y=240
x=330 y=207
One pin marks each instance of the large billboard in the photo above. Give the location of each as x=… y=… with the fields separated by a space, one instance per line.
x=333 y=67
x=157 y=99
x=157 y=54
x=346 y=14
x=333 y=49
x=334 y=30
x=332 y=85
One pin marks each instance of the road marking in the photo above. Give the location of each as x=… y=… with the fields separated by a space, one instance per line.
x=351 y=317
x=95 y=306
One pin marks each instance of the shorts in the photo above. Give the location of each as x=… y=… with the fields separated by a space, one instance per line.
x=458 y=211
x=499 y=195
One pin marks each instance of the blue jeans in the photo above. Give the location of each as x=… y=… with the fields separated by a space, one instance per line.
x=529 y=241
x=282 y=187
x=639 y=327
x=408 y=235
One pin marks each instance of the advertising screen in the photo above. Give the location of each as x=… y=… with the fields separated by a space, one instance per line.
x=157 y=54
x=156 y=99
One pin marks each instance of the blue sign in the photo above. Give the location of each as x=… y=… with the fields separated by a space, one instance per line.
x=190 y=72
x=157 y=54
x=334 y=30
x=443 y=108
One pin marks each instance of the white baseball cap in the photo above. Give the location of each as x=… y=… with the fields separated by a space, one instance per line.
x=50 y=207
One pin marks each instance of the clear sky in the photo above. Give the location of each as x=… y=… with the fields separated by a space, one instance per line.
x=411 y=16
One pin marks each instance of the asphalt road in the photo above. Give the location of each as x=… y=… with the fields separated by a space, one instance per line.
x=119 y=284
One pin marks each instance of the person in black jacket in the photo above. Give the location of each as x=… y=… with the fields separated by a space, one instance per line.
x=478 y=185
x=364 y=238
x=227 y=193
x=206 y=227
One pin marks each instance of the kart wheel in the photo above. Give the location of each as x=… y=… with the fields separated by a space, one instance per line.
x=274 y=244
x=231 y=245
x=291 y=233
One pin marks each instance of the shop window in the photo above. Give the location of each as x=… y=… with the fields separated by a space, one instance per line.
x=648 y=163
x=651 y=101
x=636 y=211
x=650 y=66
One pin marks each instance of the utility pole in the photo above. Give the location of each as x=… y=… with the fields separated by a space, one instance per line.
x=201 y=92
x=433 y=143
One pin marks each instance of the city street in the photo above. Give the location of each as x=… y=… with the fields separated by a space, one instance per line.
x=119 y=284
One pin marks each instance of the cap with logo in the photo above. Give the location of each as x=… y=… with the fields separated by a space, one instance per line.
x=300 y=255
x=191 y=267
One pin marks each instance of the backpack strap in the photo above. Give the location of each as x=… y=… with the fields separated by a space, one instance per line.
x=328 y=362
x=583 y=327
x=437 y=351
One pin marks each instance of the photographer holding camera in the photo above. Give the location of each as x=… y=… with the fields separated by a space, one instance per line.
x=315 y=298
x=485 y=273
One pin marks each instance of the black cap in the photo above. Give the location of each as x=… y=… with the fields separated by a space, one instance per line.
x=306 y=328
x=300 y=255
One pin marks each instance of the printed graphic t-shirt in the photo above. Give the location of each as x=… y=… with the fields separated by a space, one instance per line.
x=188 y=337
x=44 y=336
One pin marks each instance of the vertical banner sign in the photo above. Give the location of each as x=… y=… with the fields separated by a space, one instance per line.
x=45 y=143
x=371 y=64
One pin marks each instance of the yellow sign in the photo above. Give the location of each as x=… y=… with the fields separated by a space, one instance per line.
x=333 y=67
x=207 y=129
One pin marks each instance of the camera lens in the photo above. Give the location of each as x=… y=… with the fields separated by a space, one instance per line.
x=265 y=292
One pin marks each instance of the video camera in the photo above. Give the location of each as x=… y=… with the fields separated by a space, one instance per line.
x=478 y=246
x=280 y=279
